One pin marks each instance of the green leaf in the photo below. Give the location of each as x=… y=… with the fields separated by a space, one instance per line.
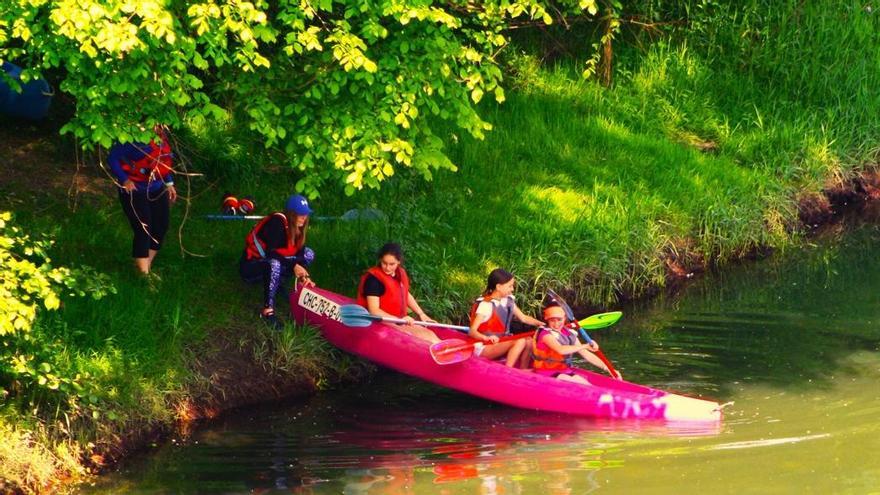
x=477 y=94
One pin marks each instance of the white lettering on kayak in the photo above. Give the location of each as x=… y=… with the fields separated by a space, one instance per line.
x=318 y=304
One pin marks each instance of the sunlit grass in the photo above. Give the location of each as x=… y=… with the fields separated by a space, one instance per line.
x=590 y=189
x=32 y=460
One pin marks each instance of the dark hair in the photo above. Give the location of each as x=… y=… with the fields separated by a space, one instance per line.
x=497 y=277
x=391 y=248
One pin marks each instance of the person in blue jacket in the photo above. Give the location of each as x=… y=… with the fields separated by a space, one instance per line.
x=145 y=182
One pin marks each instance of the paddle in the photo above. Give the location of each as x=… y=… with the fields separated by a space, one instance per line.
x=354 y=315
x=600 y=320
x=232 y=217
x=350 y=215
x=451 y=351
x=604 y=316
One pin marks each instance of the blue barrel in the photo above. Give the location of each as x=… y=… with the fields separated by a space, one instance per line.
x=33 y=101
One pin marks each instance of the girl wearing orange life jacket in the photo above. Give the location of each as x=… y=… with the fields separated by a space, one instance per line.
x=491 y=316
x=384 y=291
x=555 y=345
x=144 y=178
x=275 y=249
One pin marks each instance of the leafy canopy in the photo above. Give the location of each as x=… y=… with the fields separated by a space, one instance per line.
x=341 y=88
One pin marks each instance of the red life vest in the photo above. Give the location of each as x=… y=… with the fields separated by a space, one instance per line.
x=546 y=358
x=393 y=301
x=496 y=324
x=255 y=248
x=154 y=164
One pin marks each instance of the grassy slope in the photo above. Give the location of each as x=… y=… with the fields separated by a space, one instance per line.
x=576 y=187
x=152 y=353
x=594 y=189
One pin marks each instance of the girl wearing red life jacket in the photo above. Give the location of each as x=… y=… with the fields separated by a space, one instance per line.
x=555 y=345
x=384 y=291
x=491 y=316
x=275 y=249
x=143 y=173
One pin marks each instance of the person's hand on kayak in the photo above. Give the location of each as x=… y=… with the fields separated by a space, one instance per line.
x=302 y=275
x=491 y=339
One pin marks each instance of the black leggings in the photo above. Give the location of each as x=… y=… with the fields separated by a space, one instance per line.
x=148 y=216
x=272 y=272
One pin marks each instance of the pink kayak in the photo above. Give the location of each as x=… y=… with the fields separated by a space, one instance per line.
x=385 y=345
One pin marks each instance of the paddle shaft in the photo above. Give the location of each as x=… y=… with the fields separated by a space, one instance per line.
x=476 y=343
x=232 y=217
x=601 y=355
x=255 y=217
x=583 y=333
x=355 y=315
x=401 y=321
x=613 y=372
x=348 y=215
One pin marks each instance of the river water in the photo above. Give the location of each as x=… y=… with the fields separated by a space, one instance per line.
x=793 y=341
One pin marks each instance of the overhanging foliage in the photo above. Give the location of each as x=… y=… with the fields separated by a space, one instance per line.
x=341 y=88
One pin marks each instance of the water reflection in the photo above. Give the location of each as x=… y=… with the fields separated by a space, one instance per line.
x=404 y=436
x=793 y=340
x=492 y=447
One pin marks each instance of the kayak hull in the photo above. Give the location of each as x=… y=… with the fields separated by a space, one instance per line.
x=31 y=103
x=387 y=346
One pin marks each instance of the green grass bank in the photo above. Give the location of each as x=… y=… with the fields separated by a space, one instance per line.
x=714 y=141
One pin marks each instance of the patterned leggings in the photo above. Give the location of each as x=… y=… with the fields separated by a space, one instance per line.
x=271 y=272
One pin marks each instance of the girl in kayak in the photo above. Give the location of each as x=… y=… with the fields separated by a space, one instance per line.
x=555 y=346
x=491 y=316
x=384 y=291
x=274 y=250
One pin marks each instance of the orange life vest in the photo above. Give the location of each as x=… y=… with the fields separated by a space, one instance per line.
x=496 y=324
x=255 y=248
x=546 y=358
x=393 y=301
x=155 y=164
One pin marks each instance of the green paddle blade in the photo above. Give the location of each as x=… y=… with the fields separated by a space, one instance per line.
x=600 y=320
